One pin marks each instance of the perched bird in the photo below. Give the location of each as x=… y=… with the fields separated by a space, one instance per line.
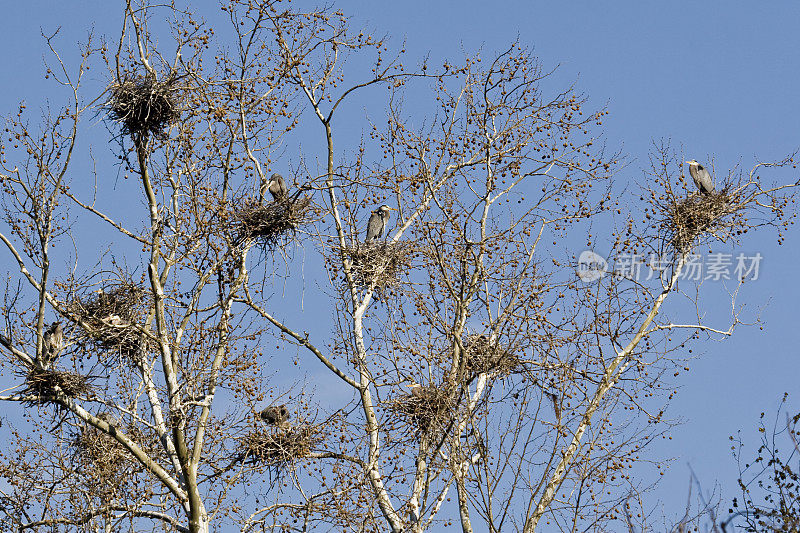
x=701 y=177
x=108 y=418
x=417 y=390
x=377 y=223
x=275 y=415
x=52 y=342
x=276 y=187
x=102 y=297
x=114 y=320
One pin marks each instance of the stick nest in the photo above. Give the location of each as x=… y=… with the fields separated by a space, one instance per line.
x=144 y=105
x=483 y=356
x=43 y=383
x=427 y=407
x=110 y=317
x=688 y=218
x=379 y=262
x=269 y=221
x=277 y=448
x=101 y=451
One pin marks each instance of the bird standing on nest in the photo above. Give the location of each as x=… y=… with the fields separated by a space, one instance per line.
x=276 y=187
x=701 y=177
x=275 y=415
x=377 y=223
x=114 y=320
x=417 y=390
x=52 y=342
x=103 y=298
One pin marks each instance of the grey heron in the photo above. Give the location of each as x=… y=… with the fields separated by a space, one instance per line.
x=701 y=177
x=108 y=418
x=275 y=185
x=417 y=390
x=102 y=297
x=275 y=415
x=377 y=223
x=114 y=320
x=52 y=342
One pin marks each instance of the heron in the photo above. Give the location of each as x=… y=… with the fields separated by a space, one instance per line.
x=377 y=223
x=52 y=342
x=701 y=177
x=114 y=320
x=417 y=390
x=275 y=415
x=103 y=297
x=108 y=418
x=275 y=185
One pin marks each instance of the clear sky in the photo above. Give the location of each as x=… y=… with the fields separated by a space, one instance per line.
x=719 y=79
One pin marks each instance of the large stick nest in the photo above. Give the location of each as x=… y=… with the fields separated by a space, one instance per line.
x=427 y=407
x=281 y=447
x=379 y=262
x=483 y=356
x=44 y=383
x=688 y=218
x=144 y=105
x=110 y=316
x=101 y=451
x=267 y=222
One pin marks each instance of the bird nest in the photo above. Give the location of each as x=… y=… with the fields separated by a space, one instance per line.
x=379 y=262
x=110 y=316
x=44 y=384
x=482 y=356
x=427 y=407
x=688 y=218
x=143 y=104
x=277 y=448
x=269 y=221
x=101 y=451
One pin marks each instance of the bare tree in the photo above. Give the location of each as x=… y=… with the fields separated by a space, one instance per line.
x=769 y=499
x=531 y=393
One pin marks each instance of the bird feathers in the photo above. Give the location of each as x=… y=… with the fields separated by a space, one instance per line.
x=52 y=342
x=275 y=415
x=374 y=227
x=701 y=177
x=276 y=187
x=377 y=223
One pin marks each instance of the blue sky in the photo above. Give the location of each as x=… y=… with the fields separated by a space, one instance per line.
x=718 y=79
